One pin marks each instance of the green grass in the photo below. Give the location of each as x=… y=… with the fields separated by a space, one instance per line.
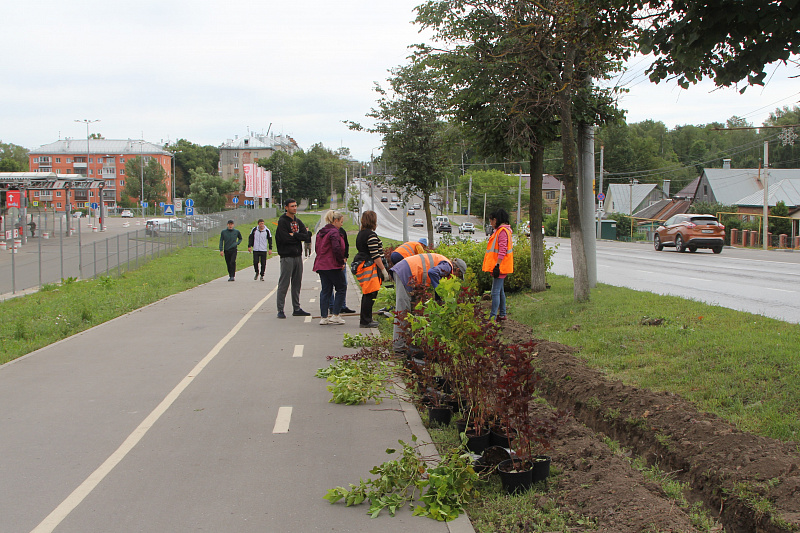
x=60 y=310
x=740 y=366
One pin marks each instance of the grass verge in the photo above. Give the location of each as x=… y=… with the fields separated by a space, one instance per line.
x=740 y=366
x=60 y=310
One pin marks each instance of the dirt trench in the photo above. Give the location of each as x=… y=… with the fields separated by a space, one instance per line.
x=749 y=483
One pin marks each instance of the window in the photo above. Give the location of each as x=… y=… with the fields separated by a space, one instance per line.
x=91 y=194
x=58 y=194
x=705 y=190
x=236 y=155
x=550 y=195
x=122 y=160
x=91 y=171
x=122 y=172
x=236 y=165
x=90 y=160
x=121 y=183
x=36 y=194
x=58 y=160
x=69 y=160
x=58 y=204
x=35 y=159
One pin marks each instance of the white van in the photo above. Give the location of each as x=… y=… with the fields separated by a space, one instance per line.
x=439 y=219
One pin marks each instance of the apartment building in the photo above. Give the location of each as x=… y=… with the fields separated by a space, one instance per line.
x=239 y=151
x=99 y=159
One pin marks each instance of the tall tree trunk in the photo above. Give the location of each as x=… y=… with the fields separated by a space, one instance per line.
x=581 y=288
x=535 y=208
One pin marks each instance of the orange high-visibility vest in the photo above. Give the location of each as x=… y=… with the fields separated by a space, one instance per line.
x=368 y=278
x=421 y=263
x=492 y=252
x=407 y=249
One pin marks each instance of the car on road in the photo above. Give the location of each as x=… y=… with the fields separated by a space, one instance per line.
x=418 y=223
x=690 y=232
x=385 y=189
x=466 y=227
x=77 y=214
x=417 y=205
x=411 y=211
x=384 y=199
x=438 y=220
x=126 y=213
x=393 y=206
x=444 y=227
x=395 y=199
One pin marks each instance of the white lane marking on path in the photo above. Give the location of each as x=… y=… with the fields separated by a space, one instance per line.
x=298 y=349
x=84 y=489
x=283 y=419
x=312 y=300
x=307 y=320
x=779 y=290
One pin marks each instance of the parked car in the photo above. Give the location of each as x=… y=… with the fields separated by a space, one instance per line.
x=126 y=213
x=393 y=206
x=690 y=232
x=384 y=199
x=385 y=189
x=466 y=227
x=444 y=227
x=418 y=223
x=77 y=214
x=411 y=211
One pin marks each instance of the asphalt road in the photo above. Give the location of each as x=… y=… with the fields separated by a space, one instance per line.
x=199 y=412
x=759 y=282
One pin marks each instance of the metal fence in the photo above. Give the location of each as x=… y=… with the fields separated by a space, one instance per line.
x=60 y=249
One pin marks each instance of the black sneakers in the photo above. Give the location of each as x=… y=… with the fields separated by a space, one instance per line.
x=300 y=312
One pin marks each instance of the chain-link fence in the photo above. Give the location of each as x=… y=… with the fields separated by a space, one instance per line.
x=56 y=248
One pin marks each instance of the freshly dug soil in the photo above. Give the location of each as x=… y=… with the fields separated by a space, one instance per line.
x=750 y=483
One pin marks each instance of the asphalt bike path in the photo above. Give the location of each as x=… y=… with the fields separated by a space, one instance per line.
x=199 y=412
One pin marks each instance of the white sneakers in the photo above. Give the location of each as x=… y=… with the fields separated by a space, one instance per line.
x=335 y=320
x=325 y=321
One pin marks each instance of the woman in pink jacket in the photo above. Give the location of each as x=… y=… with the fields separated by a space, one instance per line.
x=329 y=264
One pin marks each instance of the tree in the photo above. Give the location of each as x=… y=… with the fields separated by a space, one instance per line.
x=780 y=225
x=13 y=158
x=284 y=168
x=155 y=188
x=414 y=137
x=208 y=190
x=499 y=188
x=727 y=40
x=191 y=156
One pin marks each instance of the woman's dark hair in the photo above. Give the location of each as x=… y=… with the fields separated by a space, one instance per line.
x=369 y=220
x=500 y=217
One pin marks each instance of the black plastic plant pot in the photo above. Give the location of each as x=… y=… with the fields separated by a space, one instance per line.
x=440 y=415
x=477 y=443
x=500 y=438
x=541 y=467
x=516 y=476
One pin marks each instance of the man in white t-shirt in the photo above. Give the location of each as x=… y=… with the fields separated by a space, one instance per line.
x=260 y=243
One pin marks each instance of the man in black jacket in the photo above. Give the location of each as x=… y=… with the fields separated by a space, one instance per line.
x=229 y=240
x=289 y=238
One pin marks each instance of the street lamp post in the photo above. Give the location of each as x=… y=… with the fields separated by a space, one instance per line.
x=88 y=156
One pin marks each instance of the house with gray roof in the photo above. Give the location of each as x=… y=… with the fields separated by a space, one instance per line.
x=627 y=198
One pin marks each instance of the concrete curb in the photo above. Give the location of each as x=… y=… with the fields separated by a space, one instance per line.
x=461 y=524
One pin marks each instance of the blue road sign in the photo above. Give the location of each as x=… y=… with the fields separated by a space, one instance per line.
x=145 y=204
x=601 y=196
x=189 y=202
x=235 y=200
x=189 y=211
x=169 y=210
x=95 y=205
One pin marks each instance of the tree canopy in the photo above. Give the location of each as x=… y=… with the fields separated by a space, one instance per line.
x=190 y=156
x=155 y=188
x=208 y=190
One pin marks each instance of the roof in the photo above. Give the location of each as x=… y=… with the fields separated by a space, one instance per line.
x=254 y=141
x=786 y=191
x=620 y=195
x=689 y=190
x=663 y=209
x=101 y=147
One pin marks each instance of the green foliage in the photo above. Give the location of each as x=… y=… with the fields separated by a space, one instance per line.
x=624 y=225
x=354 y=381
x=780 y=225
x=209 y=190
x=13 y=158
x=499 y=188
x=357 y=340
x=155 y=188
x=443 y=490
x=190 y=156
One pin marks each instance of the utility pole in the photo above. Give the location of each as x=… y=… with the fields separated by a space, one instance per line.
x=765 y=212
x=469 y=201
x=600 y=203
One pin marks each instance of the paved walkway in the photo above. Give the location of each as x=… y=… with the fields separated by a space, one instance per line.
x=200 y=412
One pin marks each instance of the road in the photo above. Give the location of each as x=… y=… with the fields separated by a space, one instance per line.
x=759 y=282
x=755 y=281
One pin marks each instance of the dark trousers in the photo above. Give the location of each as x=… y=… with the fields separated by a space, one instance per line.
x=291 y=272
x=260 y=257
x=330 y=280
x=230 y=260
x=367 y=303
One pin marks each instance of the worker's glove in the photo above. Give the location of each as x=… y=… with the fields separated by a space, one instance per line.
x=386 y=275
x=496 y=271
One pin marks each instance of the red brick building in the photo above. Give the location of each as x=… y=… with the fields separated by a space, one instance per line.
x=99 y=159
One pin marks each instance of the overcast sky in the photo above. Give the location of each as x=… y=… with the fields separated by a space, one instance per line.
x=207 y=71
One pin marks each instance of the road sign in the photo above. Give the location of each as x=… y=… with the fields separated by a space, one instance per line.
x=601 y=196
x=189 y=211
x=189 y=202
x=169 y=210
x=161 y=204
x=145 y=204
x=235 y=200
x=94 y=205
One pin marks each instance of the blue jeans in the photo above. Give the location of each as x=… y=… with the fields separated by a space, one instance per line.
x=498 y=298
x=331 y=279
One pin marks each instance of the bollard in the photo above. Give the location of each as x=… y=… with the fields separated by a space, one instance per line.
x=734 y=236
x=17 y=243
x=3 y=245
x=46 y=235
x=94 y=229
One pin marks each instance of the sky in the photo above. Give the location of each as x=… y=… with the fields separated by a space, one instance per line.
x=209 y=71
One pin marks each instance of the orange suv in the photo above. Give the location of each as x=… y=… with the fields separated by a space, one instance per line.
x=690 y=232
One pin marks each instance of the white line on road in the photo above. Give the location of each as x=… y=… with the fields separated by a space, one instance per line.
x=84 y=489
x=283 y=419
x=312 y=300
x=779 y=290
x=298 y=349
